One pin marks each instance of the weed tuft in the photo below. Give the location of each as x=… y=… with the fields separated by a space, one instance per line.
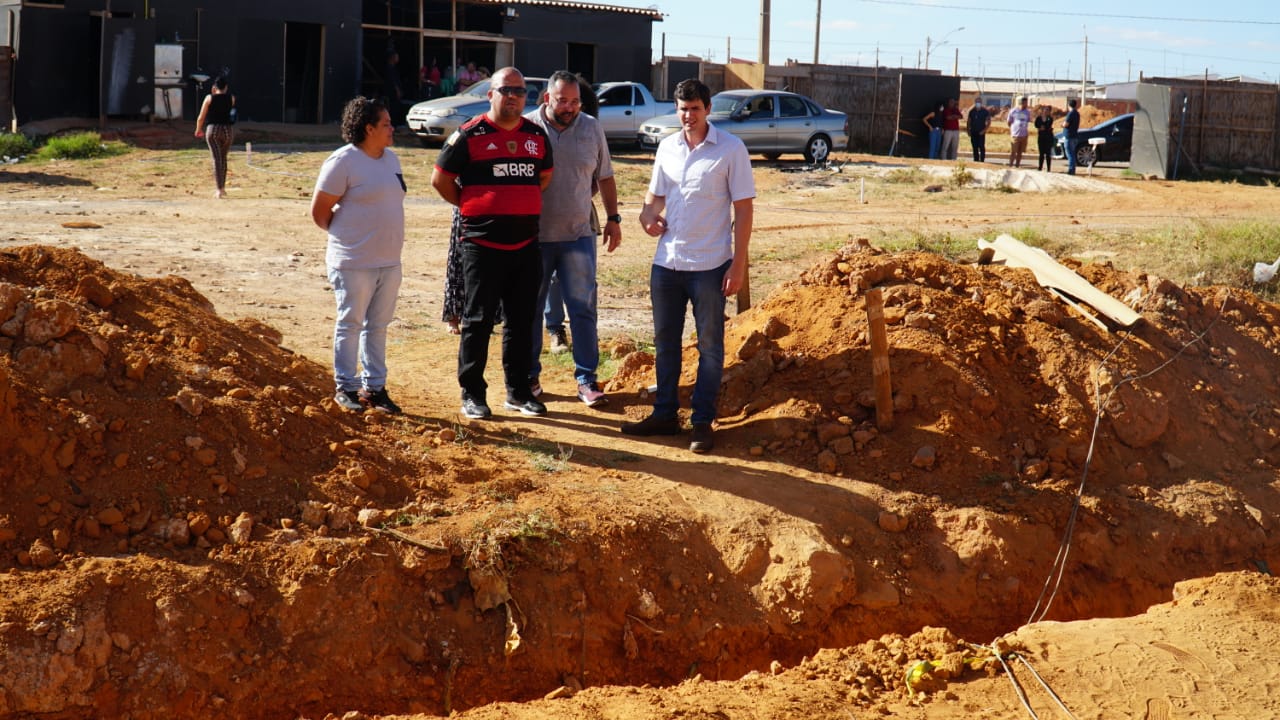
x=14 y=146
x=78 y=146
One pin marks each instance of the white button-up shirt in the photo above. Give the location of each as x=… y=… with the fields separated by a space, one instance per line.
x=699 y=185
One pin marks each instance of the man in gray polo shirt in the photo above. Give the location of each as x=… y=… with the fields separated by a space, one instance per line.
x=565 y=236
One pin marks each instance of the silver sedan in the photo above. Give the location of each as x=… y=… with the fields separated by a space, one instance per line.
x=435 y=120
x=769 y=122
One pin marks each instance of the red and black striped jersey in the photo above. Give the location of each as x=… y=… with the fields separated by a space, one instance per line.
x=500 y=173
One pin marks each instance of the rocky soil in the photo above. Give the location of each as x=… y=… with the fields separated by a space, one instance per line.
x=190 y=528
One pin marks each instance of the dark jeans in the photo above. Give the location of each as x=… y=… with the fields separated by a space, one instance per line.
x=1045 y=144
x=672 y=291
x=492 y=277
x=979 y=143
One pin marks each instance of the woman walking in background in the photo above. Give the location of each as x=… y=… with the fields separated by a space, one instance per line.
x=359 y=201
x=216 y=126
x=1044 y=137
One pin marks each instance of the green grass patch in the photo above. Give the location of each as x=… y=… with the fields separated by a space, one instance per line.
x=79 y=146
x=488 y=540
x=14 y=145
x=960 y=176
x=545 y=456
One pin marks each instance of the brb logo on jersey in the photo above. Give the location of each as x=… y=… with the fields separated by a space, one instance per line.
x=514 y=169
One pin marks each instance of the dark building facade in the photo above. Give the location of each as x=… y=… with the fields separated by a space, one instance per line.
x=293 y=61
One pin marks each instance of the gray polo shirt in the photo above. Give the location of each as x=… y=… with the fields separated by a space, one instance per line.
x=581 y=154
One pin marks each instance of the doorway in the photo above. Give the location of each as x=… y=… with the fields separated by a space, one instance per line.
x=303 y=68
x=581 y=60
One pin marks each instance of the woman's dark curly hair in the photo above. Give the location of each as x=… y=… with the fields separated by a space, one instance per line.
x=358 y=113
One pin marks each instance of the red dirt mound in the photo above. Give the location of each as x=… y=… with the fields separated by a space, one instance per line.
x=133 y=415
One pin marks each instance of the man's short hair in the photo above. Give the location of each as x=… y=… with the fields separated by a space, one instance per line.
x=561 y=76
x=693 y=89
x=1072 y=102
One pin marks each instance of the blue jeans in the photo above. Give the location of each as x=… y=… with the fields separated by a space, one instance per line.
x=574 y=263
x=553 y=309
x=1072 y=144
x=935 y=143
x=671 y=292
x=366 y=302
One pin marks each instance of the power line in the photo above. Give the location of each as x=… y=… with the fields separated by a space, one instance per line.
x=1066 y=13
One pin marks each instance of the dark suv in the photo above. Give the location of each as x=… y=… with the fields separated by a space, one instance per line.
x=1118 y=133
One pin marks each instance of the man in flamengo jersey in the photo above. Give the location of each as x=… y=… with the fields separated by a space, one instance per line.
x=494 y=169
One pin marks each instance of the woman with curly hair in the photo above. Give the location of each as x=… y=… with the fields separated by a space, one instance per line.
x=359 y=201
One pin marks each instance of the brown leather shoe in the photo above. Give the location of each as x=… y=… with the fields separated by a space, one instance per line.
x=701 y=440
x=652 y=426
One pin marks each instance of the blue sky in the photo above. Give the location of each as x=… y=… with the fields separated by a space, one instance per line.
x=998 y=39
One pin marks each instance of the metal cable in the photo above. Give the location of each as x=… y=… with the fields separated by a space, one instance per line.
x=1060 y=561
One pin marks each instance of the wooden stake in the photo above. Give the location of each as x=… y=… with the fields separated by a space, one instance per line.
x=880 y=359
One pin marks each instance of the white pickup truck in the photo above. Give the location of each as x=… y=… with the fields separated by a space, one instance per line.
x=624 y=107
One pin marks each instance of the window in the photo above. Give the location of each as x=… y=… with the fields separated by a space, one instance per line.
x=761 y=107
x=620 y=95
x=793 y=107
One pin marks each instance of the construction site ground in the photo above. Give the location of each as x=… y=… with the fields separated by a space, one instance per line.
x=190 y=527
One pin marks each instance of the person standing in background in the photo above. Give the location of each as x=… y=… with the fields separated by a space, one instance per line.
x=978 y=122
x=951 y=117
x=1044 y=138
x=216 y=125
x=933 y=121
x=359 y=202
x=1071 y=124
x=1019 y=128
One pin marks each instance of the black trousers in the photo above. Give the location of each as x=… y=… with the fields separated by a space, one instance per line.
x=979 y=143
x=493 y=278
x=1045 y=145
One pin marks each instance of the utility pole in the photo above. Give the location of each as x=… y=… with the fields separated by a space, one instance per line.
x=764 y=34
x=1084 y=68
x=817 y=32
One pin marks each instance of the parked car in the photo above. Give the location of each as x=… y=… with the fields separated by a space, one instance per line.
x=770 y=123
x=624 y=107
x=1118 y=133
x=435 y=120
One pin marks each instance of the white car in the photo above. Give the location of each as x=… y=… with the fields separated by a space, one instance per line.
x=433 y=121
x=624 y=107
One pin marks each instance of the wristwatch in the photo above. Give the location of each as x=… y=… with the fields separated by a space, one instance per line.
x=614 y=218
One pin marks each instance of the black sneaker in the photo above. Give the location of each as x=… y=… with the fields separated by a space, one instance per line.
x=380 y=401
x=559 y=340
x=701 y=441
x=652 y=425
x=349 y=400
x=475 y=409
x=529 y=407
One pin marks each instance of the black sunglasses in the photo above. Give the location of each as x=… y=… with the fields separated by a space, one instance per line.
x=511 y=90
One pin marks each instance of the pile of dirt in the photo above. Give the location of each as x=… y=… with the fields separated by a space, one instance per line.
x=134 y=416
x=189 y=526
x=995 y=377
x=997 y=385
